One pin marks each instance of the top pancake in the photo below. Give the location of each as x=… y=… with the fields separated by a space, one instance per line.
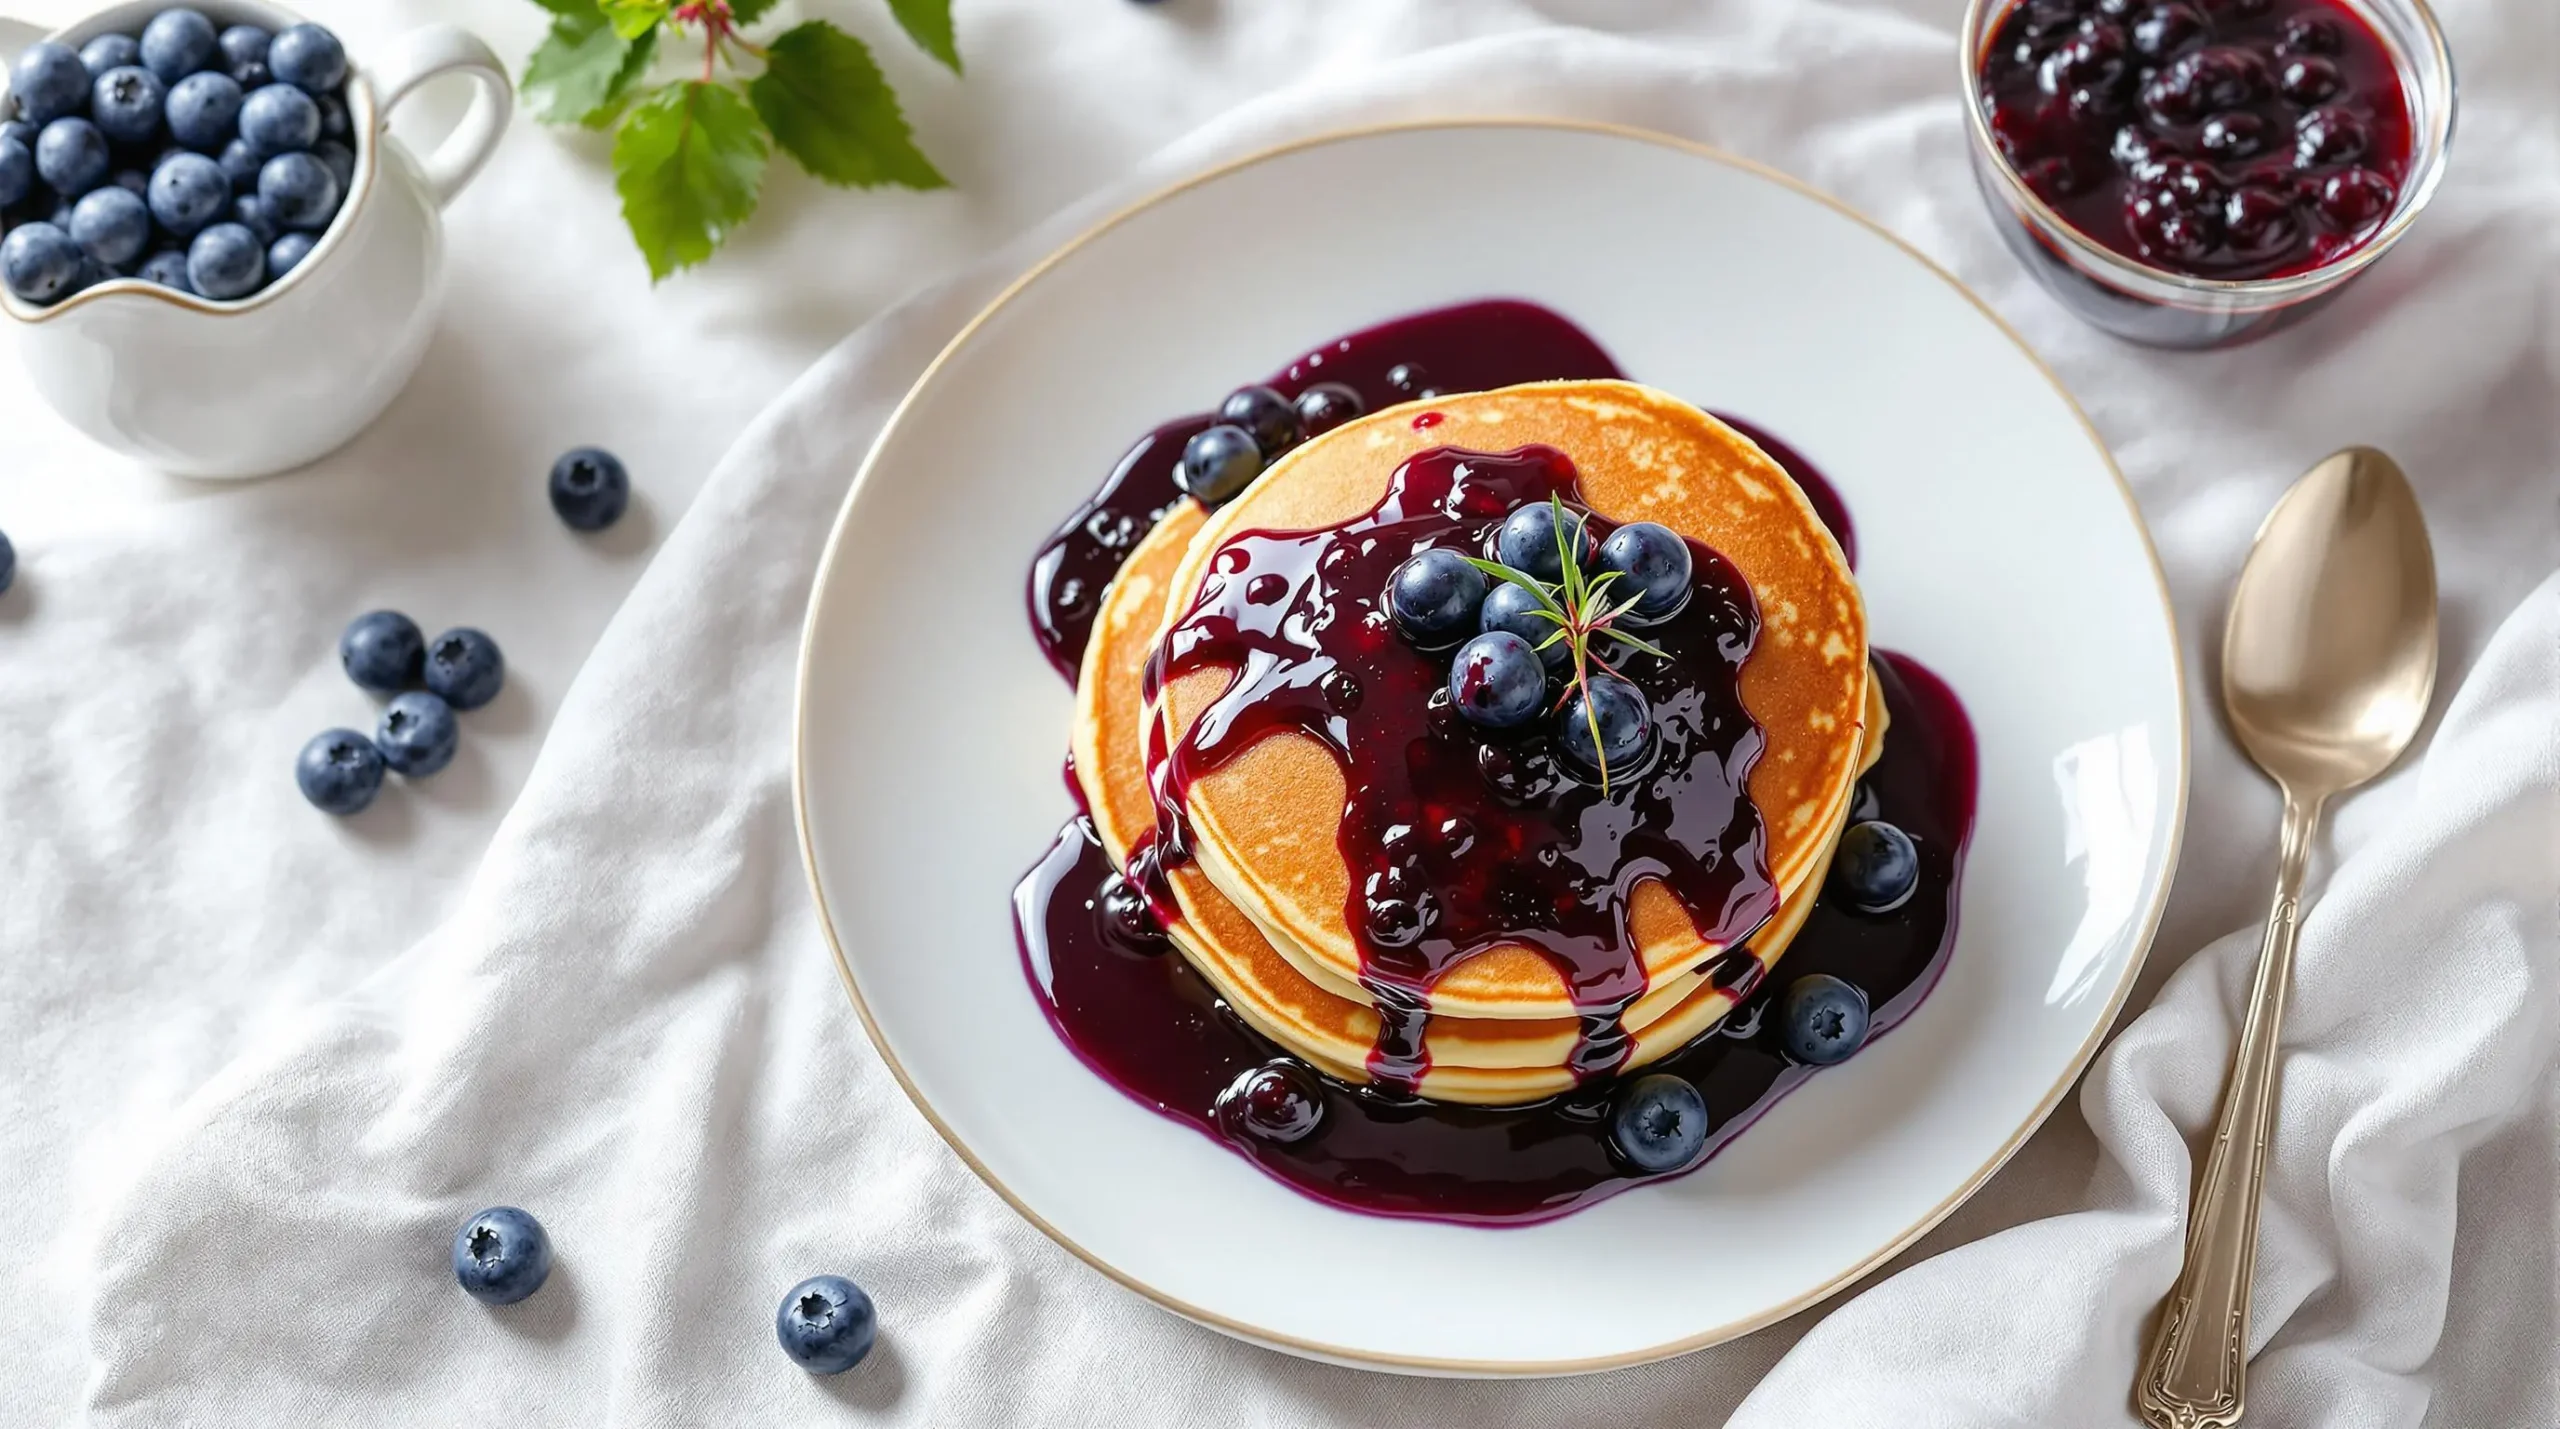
x=1264 y=822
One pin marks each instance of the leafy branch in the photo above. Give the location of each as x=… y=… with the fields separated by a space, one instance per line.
x=689 y=154
x=1580 y=609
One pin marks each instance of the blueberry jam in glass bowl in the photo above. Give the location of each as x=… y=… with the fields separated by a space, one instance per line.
x=2190 y=173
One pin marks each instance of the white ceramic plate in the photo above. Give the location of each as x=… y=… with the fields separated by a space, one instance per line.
x=1997 y=543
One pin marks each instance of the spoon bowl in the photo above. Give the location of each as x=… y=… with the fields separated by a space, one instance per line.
x=2329 y=656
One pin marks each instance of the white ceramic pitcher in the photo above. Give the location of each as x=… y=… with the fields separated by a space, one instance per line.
x=275 y=379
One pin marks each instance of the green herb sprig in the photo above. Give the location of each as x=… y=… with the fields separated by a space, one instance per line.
x=1580 y=609
x=689 y=154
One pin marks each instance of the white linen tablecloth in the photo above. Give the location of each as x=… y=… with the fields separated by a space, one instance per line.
x=262 y=1061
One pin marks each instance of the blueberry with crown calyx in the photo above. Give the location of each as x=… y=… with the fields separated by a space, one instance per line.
x=1264 y=413
x=204 y=110
x=1658 y=1124
x=589 y=488
x=125 y=104
x=1876 y=867
x=1824 y=1020
x=826 y=1324
x=1654 y=569
x=501 y=1255
x=464 y=666
x=1516 y=608
x=178 y=42
x=1497 y=681
x=1527 y=541
x=1434 y=597
x=1605 y=727
x=1327 y=405
x=49 y=82
x=1218 y=464
x=339 y=771
x=417 y=734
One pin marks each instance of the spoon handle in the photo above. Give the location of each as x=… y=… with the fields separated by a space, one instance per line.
x=2195 y=1375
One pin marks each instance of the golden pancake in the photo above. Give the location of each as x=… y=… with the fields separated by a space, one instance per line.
x=1483 y=1061
x=1263 y=821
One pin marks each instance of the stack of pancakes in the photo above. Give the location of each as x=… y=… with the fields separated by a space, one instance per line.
x=1259 y=907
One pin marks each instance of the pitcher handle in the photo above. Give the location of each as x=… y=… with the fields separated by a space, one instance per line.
x=432 y=50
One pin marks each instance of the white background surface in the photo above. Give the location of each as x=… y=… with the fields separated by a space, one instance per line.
x=262 y=1062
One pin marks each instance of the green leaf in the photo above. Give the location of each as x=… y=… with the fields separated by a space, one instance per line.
x=570 y=9
x=583 y=69
x=829 y=108
x=928 y=23
x=633 y=18
x=688 y=161
x=1546 y=599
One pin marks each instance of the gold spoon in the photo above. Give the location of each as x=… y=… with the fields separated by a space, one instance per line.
x=2328 y=660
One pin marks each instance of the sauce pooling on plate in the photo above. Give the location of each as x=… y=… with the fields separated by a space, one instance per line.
x=1154 y=1027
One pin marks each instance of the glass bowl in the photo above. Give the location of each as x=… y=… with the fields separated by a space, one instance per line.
x=2156 y=306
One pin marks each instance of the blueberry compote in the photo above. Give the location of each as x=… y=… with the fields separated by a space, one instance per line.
x=1460 y=839
x=1152 y=1026
x=2222 y=139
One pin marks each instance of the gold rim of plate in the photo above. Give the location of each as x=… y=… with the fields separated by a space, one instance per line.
x=1352 y=1354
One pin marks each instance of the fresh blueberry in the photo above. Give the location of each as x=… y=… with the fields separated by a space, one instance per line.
x=1264 y=413
x=1408 y=381
x=826 y=1324
x=240 y=165
x=1527 y=541
x=1625 y=722
x=72 y=156
x=125 y=104
x=204 y=110
x=1876 y=867
x=464 y=666
x=287 y=252
x=501 y=1255
x=301 y=190
x=417 y=734
x=110 y=51
x=226 y=261
x=1653 y=566
x=382 y=650
x=1658 y=1123
x=8 y=563
x=279 y=119
x=244 y=44
x=1279 y=1101
x=1218 y=464
x=40 y=262
x=1824 y=1020
x=49 y=81
x=589 y=488
x=1513 y=607
x=178 y=42
x=333 y=117
x=168 y=268
x=308 y=57
x=339 y=770
x=188 y=191
x=17 y=172
x=1434 y=597
x=341 y=161
x=22 y=131
x=1497 y=681
x=258 y=216
x=112 y=225
x=1327 y=405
